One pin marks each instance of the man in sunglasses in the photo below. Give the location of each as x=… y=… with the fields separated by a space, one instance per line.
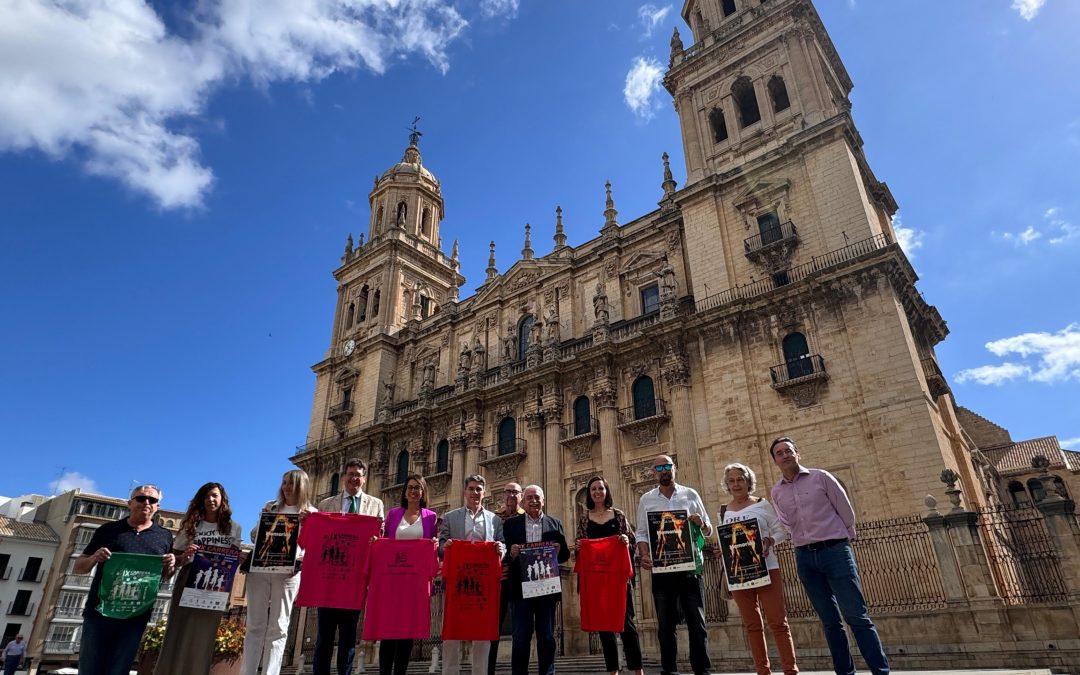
x=109 y=645
x=511 y=507
x=672 y=590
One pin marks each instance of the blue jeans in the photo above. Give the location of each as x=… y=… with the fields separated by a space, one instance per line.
x=340 y=623
x=831 y=579
x=538 y=613
x=108 y=646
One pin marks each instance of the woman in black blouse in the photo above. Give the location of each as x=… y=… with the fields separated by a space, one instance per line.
x=599 y=521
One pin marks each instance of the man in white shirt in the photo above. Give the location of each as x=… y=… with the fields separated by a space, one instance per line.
x=13 y=654
x=674 y=589
x=472 y=522
x=342 y=623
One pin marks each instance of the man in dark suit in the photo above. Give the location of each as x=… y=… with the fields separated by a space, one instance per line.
x=533 y=614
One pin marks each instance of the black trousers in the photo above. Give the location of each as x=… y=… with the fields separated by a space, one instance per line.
x=504 y=607
x=339 y=623
x=672 y=591
x=630 y=643
x=394 y=656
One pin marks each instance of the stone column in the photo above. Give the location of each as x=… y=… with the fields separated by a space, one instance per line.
x=534 y=439
x=604 y=399
x=457 y=474
x=676 y=374
x=1060 y=517
x=946 y=557
x=974 y=567
x=554 y=485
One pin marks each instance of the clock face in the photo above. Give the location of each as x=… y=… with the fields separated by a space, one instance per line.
x=349 y=347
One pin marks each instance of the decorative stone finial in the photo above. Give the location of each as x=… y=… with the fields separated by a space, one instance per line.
x=950 y=478
x=492 y=271
x=676 y=47
x=361 y=244
x=454 y=251
x=610 y=214
x=669 y=181
x=931 y=504
x=527 y=251
x=348 y=245
x=560 y=236
x=412 y=153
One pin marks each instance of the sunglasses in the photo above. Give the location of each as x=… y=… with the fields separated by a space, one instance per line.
x=146 y=499
x=663 y=467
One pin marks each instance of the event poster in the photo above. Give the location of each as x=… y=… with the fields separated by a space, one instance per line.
x=471 y=573
x=539 y=569
x=744 y=556
x=276 y=543
x=129 y=584
x=671 y=545
x=210 y=578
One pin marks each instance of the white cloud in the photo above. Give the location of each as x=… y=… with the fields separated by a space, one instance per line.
x=642 y=82
x=1055 y=229
x=1028 y=9
x=69 y=480
x=992 y=374
x=492 y=8
x=1070 y=443
x=105 y=82
x=651 y=16
x=1048 y=357
x=909 y=238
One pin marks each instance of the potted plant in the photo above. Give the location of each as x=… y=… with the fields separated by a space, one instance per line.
x=228 y=647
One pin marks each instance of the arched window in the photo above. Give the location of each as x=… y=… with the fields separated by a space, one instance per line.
x=1035 y=487
x=745 y=101
x=1018 y=493
x=442 y=456
x=582 y=416
x=778 y=94
x=402 y=467
x=796 y=352
x=349 y=315
x=375 y=303
x=524 y=329
x=362 y=300
x=335 y=484
x=379 y=218
x=507 y=436
x=1059 y=487
x=425 y=222
x=728 y=6
x=700 y=25
x=402 y=212
x=644 y=397
x=718 y=125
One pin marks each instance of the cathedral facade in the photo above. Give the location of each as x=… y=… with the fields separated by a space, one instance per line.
x=768 y=296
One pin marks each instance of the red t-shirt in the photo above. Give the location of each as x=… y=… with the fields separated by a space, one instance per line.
x=399 y=589
x=471 y=572
x=603 y=567
x=336 y=548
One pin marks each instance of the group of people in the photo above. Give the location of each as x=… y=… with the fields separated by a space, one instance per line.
x=810 y=504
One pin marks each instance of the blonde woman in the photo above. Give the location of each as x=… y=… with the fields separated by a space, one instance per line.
x=739 y=482
x=270 y=596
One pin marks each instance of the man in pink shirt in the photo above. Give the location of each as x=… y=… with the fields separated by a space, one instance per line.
x=814 y=508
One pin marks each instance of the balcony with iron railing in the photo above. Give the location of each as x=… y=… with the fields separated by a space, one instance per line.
x=340 y=412
x=797 y=371
x=774 y=247
x=794 y=274
x=498 y=450
x=16 y=608
x=935 y=379
x=81 y=580
x=643 y=410
x=61 y=646
x=578 y=436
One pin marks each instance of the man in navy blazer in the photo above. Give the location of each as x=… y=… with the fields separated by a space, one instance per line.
x=533 y=613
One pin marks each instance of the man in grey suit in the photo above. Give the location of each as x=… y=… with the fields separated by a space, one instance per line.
x=472 y=522
x=342 y=623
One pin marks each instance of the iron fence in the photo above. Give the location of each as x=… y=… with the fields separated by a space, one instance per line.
x=897 y=567
x=1024 y=562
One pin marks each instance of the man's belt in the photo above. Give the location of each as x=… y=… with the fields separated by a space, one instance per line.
x=818 y=545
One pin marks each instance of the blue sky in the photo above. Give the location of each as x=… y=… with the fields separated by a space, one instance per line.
x=176 y=187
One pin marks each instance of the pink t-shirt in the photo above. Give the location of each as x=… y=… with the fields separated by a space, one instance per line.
x=399 y=589
x=337 y=547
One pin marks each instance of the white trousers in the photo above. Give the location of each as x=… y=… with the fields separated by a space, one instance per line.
x=451 y=664
x=270 y=601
